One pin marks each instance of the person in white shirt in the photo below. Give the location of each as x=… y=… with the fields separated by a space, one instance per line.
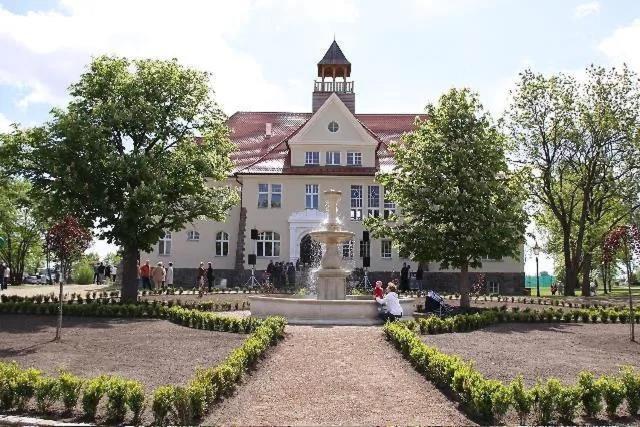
x=391 y=300
x=169 y=276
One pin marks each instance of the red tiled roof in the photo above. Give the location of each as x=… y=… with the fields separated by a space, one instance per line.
x=256 y=153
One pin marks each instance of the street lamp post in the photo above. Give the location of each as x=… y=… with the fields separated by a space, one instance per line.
x=536 y=252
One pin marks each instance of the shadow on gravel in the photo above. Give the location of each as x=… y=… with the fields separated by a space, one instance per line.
x=29 y=323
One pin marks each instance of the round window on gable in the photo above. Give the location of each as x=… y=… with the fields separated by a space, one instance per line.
x=333 y=127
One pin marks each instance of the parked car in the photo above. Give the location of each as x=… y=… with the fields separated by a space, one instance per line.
x=33 y=280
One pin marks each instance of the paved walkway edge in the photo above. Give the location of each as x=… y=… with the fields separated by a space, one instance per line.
x=15 y=420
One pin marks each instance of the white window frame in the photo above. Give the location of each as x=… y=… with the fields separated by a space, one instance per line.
x=268 y=239
x=311 y=196
x=263 y=195
x=389 y=206
x=385 y=249
x=365 y=248
x=312 y=158
x=193 y=235
x=222 y=238
x=356 y=203
x=493 y=287
x=373 y=203
x=354 y=158
x=164 y=245
x=274 y=192
x=347 y=250
x=331 y=157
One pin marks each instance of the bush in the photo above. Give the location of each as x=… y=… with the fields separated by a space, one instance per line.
x=83 y=274
x=135 y=400
x=631 y=383
x=590 y=393
x=47 y=392
x=116 y=391
x=522 y=399
x=613 y=393
x=93 y=391
x=25 y=385
x=567 y=401
x=70 y=388
x=162 y=404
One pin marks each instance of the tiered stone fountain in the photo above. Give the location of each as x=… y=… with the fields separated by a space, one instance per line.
x=332 y=306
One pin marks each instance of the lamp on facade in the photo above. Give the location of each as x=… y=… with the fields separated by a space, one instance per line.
x=536 y=252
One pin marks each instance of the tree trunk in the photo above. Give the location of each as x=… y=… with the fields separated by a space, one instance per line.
x=571 y=275
x=603 y=274
x=465 y=301
x=129 y=274
x=586 y=275
x=59 y=328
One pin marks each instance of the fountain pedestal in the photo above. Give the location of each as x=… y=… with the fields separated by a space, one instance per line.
x=331 y=284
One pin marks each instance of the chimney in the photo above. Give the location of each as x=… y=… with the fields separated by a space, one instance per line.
x=267 y=130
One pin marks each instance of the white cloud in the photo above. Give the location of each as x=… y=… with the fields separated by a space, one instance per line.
x=586 y=9
x=622 y=45
x=443 y=8
x=4 y=124
x=50 y=48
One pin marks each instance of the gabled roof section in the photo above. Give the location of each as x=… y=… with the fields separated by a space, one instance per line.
x=334 y=56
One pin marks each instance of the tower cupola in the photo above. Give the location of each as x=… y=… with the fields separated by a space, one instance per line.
x=334 y=72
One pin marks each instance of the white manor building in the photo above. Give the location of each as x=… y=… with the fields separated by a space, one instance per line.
x=283 y=162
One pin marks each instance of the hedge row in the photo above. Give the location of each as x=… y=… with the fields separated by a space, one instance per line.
x=471 y=322
x=181 y=405
x=534 y=300
x=490 y=400
x=18 y=387
x=184 y=405
x=180 y=315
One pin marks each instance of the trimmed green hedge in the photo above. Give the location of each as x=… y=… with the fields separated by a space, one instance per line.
x=490 y=400
x=471 y=322
x=178 y=405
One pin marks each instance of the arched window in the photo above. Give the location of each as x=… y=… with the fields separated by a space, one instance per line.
x=193 y=235
x=268 y=244
x=222 y=243
x=164 y=245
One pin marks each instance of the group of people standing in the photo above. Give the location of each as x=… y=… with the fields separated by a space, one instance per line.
x=5 y=276
x=405 y=274
x=206 y=275
x=281 y=274
x=157 y=277
x=102 y=273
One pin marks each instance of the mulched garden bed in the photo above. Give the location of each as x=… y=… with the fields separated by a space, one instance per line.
x=542 y=350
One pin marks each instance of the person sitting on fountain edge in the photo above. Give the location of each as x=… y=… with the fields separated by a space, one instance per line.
x=391 y=300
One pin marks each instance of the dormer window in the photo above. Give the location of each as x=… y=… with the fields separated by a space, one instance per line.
x=354 y=159
x=312 y=158
x=333 y=127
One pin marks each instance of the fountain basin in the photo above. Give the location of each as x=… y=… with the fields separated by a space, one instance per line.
x=355 y=310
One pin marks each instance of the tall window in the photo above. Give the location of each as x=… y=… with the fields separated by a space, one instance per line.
x=268 y=244
x=389 y=206
x=333 y=158
x=354 y=159
x=312 y=158
x=356 y=203
x=264 y=195
x=276 y=195
x=493 y=287
x=311 y=196
x=222 y=243
x=365 y=248
x=373 y=199
x=385 y=248
x=347 y=250
x=193 y=235
x=164 y=244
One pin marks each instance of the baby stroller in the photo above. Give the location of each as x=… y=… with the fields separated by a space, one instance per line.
x=434 y=303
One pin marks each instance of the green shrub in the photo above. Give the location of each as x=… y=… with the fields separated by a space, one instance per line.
x=631 y=383
x=567 y=401
x=8 y=375
x=590 y=393
x=162 y=404
x=522 y=399
x=116 y=391
x=47 y=392
x=613 y=393
x=93 y=391
x=70 y=388
x=544 y=400
x=25 y=385
x=135 y=400
x=83 y=274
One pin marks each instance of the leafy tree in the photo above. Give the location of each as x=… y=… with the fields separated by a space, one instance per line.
x=68 y=240
x=578 y=142
x=459 y=201
x=136 y=153
x=20 y=228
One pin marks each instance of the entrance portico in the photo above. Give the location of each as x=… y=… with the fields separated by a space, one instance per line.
x=300 y=224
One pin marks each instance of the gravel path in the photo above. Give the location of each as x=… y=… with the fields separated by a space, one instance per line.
x=336 y=376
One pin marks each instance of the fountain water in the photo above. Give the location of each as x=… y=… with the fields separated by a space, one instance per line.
x=332 y=306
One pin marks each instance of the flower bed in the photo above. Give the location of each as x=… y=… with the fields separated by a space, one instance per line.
x=489 y=400
x=125 y=399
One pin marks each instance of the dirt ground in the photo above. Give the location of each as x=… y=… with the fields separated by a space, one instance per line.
x=154 y=352
x=219 y=298
x=336 y=376
x=543 y=350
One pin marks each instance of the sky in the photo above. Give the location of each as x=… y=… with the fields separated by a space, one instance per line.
x=262 y=53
